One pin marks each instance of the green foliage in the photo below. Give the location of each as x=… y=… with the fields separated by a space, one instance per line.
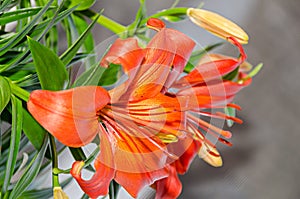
x=50 y=69
x=4 y=93
x=82 y=4
x=30 y=173
x=110 y=75
x=16 y=129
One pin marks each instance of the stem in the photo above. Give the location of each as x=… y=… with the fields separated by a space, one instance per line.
x=20 y=92
x=171 y=11
x=55 y=180
x=106 y=22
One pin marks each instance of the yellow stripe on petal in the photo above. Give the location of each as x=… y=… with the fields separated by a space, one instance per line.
x=217 y=24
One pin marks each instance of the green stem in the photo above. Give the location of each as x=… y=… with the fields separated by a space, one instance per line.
x=106 y=22
x=19 y=92
x=171 y=11
x=55 y=180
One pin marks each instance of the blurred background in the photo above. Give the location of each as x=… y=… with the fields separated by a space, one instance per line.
x=264 y=160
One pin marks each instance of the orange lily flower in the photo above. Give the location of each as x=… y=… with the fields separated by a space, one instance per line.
x=147 y=133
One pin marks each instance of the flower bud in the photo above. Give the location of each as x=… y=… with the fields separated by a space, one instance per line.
x=58 y=193
x=217 y=25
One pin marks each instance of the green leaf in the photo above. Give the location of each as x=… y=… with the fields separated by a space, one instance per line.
x=16 y=130
x=19 y=36
x=34 y=132
x=30 y=172
x=50 y=69
x=79 y=155
x=90 y=77
x=140 y=15
x=255 y=70
x=110 y=75
x=42 y=193
x=83 y=4
x=68 y=55
x=11 y=16
x=5 y=4
x=230 y=112
x=81 y=25
x=4 y=93
x=232 y=75
x=39 y=31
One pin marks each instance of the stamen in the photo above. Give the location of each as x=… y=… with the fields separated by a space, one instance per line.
x=222 y=132
x=237 y=107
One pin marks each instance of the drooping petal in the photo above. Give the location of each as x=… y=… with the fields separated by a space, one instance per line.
x=184 y=161
x=170 y=187
x=70 y=115
x=98 y=185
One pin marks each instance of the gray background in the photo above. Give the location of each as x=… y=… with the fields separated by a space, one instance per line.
x=264 y=161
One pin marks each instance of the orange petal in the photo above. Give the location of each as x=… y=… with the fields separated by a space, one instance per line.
x=153 y=72
x=183 y=163
x=221 y=88
x=209 y=71
x=133 y=183
x=125 y=52
x=170 y=187
x=70 y=115
x=183 y=47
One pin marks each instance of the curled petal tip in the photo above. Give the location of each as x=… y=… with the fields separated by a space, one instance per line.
x=155 y=24
x=217 y=24
x=76 y=169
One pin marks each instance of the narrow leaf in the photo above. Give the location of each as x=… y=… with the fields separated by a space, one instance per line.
x=18 y=37
x=110 y=75
x=33 y=131
x=42 y=193
x=11 y=16
x=30 y=172
x=90 y=77
x=68 y=55
x=16 y=130
x=4 y=93
x=51 y=71
x=255 y=70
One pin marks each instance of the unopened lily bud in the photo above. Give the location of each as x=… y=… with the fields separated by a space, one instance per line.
x=217 y=25
x=58 y=193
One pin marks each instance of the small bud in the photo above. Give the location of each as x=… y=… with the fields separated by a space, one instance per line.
x=217 y=25
x=210 y=155
x=58 y=193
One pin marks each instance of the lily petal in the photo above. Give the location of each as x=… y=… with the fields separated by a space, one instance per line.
x=98 y=185
x=70 y=115
x=170 y=187
x=125 y=52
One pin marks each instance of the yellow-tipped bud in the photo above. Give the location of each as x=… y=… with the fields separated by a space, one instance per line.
x=217 y=25
x=58 y=193
x=210 y=155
